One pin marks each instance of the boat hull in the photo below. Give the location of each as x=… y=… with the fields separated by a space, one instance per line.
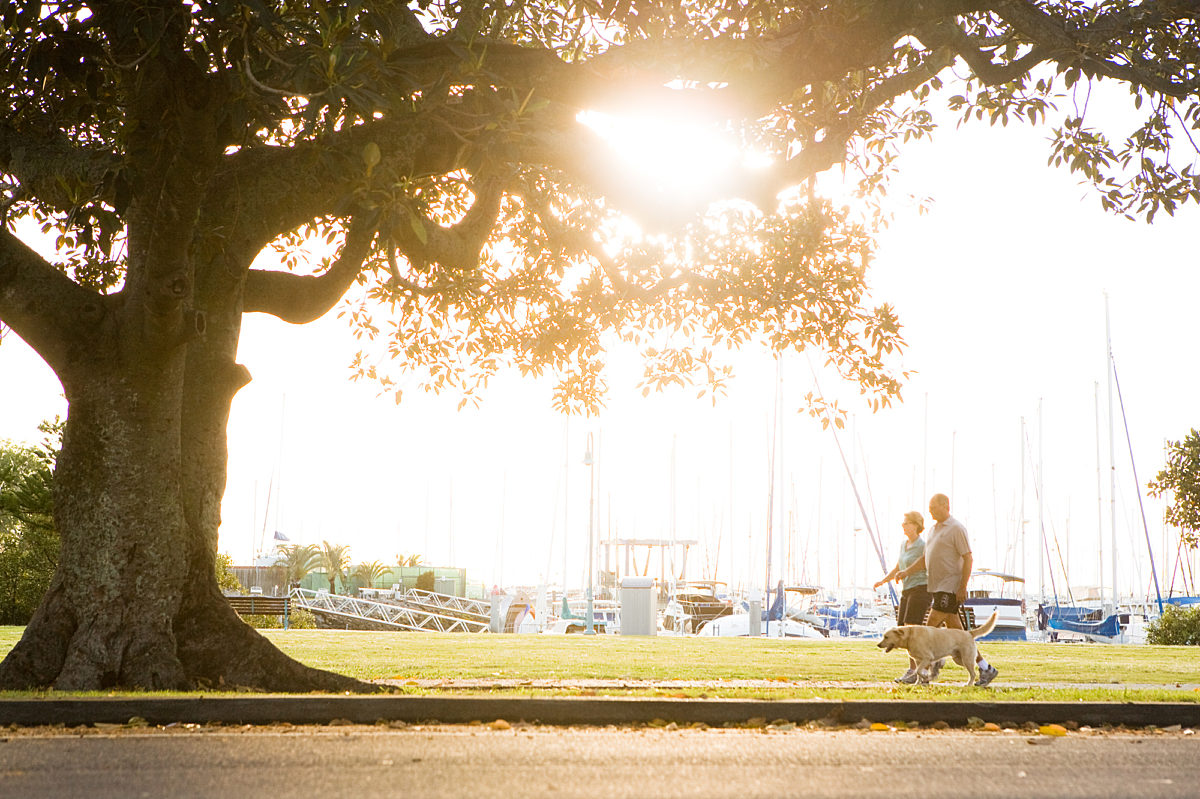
x=1010 y=619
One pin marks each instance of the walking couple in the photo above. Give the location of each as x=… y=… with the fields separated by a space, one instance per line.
x=934 y=575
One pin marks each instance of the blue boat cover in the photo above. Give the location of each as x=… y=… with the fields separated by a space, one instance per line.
x=1109 y=628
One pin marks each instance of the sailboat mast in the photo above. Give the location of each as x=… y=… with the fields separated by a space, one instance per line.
x=1099 y=496
x=1021 y=516
x=1112 y=457
x=1043 y=553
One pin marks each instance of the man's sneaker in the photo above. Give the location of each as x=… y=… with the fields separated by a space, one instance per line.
x=986 y=676
x=908 y=678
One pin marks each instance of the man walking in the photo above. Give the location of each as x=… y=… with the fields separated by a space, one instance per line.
x=948 y=563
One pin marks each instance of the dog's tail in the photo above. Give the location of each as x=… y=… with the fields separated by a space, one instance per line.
x=979 y=632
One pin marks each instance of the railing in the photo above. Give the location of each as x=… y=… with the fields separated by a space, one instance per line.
x=427 y=612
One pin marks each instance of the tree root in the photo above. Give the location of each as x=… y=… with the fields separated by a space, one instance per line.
x=208 y=648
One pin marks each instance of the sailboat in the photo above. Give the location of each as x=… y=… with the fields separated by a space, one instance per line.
x=1117 y=627
x=781 y=620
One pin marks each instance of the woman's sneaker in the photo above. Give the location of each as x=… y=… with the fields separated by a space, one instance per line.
x=908 y=678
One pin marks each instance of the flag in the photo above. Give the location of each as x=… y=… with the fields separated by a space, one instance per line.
x=281 y=537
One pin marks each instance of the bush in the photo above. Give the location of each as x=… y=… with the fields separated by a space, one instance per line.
x=1175 y=626
x=298 y=619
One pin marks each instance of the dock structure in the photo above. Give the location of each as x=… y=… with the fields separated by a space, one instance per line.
x=414 y=610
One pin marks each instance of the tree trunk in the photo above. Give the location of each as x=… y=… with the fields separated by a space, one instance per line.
x=138 y=486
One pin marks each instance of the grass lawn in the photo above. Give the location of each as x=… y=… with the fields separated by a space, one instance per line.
x=802 y=669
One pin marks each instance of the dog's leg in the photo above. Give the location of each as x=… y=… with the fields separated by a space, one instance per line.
x=968 y=664
x=923 y=674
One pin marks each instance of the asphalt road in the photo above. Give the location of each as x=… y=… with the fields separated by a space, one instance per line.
x=479 y=762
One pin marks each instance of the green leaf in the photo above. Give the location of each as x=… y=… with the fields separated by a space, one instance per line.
x=371 y=156
x=418 y=227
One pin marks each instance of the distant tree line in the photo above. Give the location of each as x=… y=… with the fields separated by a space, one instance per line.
x=28 y=541
x=300 y=560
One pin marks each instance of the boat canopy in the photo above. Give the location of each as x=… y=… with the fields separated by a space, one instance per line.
x=1008 y=578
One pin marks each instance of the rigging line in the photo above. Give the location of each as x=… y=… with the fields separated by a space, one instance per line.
x=857 y=497
x=867 y=479
x=1042 y=527
x=1133 y=467
x=777 y=400
x=266 y=512
x=1175 y=570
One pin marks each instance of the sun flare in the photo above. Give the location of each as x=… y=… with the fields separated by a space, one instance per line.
x=673 y=157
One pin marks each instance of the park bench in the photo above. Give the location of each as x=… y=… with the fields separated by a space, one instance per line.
x=258 y=605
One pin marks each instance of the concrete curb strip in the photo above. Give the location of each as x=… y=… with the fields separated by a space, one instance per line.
x=577 y=711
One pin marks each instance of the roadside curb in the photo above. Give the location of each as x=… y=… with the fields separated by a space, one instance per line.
x=585 y=711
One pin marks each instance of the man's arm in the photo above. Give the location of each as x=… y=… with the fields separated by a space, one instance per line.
x=968 y=562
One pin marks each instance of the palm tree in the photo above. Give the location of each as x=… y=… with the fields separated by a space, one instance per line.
x=411 y=560
x=334 y=560
x=297 y=561
x=368 y=573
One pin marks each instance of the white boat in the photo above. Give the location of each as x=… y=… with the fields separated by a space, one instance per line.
x=572 y=619
x=738 y=625
x=693 y=604
x=853 y=620
x=1082 y=622
x=985 y=596
x=781 y=620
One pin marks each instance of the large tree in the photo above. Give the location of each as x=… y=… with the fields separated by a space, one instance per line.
x=441 y=148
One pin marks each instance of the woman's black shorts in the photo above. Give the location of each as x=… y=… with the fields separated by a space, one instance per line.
x=914 y=603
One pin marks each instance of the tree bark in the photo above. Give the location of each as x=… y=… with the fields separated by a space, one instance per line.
x=138 y=484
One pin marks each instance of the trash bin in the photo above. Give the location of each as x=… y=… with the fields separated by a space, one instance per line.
x=638 y=608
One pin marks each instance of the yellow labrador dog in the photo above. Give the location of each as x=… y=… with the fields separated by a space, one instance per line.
x=928 y=645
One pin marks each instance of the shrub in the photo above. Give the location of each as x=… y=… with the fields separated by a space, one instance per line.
x=426 y=581
x=1176 y=625
x=298 y=619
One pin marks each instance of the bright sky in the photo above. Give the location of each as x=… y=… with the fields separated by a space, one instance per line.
x=1001 y=290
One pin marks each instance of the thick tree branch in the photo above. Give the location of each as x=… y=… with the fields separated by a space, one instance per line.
x=55 y=169
x=1096 y=44
x=47 y=309
x=264 y=192
x=300 y=299
x=457 y=246
x=977 y=56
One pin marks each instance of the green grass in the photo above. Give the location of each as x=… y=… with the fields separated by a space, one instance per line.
x=822 y=669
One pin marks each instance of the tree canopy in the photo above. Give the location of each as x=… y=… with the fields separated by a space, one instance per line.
x=442 y=145
x=453 y=155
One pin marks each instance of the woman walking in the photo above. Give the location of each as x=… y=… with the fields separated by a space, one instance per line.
x=914 y=596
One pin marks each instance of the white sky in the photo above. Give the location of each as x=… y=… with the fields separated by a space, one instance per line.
x=1001 y=291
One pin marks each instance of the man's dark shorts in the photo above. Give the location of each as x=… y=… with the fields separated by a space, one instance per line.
x=945 y=601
